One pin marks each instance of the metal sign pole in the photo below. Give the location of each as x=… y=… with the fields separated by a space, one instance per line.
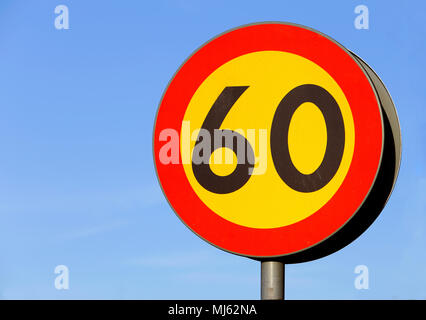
x=272 y=280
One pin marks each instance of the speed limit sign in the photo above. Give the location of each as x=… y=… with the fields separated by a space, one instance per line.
x=273 y=140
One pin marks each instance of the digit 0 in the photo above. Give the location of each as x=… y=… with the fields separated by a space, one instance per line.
x=335 y=138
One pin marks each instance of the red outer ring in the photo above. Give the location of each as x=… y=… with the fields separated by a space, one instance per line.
x=366 y=160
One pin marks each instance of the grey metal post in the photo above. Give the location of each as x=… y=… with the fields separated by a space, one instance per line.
x=272 y=280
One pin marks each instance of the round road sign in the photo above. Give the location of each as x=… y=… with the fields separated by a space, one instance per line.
x=271 y=139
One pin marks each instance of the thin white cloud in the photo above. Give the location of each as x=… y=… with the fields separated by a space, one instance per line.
x=172 y=260
x=93 y=230
x=50 y=201
x=184 y=259
x=231 y=277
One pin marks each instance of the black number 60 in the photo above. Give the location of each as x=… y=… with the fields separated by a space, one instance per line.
x=279 y=141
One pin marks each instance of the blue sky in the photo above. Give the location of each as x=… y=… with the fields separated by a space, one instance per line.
x=77 y=180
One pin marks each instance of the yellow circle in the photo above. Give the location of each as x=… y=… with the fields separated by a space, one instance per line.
x=265 y=201
x=223 y=161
